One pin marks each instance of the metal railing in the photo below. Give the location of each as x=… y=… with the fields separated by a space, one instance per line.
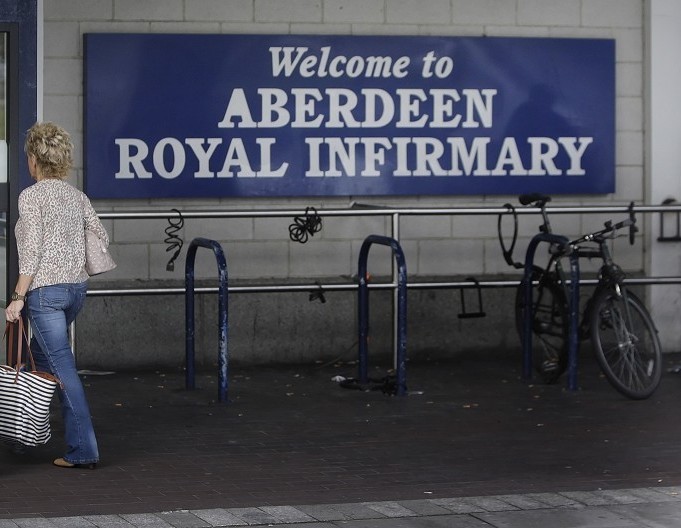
x=395 y=214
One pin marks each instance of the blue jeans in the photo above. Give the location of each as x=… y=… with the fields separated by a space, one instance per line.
x=51 y=309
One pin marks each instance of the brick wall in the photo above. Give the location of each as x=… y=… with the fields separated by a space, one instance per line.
x=67 y=20
x=260 y=249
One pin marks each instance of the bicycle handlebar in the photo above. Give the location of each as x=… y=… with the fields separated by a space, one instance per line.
x=624 y=223
x=540 y=200
x=609 y=228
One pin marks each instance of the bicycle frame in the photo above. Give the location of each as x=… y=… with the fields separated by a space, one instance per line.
x=610 y=275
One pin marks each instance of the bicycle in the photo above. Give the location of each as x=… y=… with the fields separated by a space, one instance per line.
x=620 y=328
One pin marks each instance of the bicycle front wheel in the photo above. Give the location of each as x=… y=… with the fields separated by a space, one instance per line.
x=626 y=343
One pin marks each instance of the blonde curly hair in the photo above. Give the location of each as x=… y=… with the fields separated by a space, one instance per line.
x=52 y=148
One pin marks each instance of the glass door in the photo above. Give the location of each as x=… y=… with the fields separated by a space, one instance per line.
x=9 y=112
x=4 y=163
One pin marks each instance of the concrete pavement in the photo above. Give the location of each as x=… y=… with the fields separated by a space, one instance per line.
x=471 y=445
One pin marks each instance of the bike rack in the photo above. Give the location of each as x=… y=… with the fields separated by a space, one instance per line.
x=222 y=314
x=573 y=303
x=479 y=312
x=676 y=220
x=358 y=210
x=363 y=310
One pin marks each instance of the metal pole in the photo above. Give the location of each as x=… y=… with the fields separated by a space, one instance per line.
x=292 y=288
x=573 y=341
x=189 y=317
x=358 y=210
x=222 y=315
x=395 y=293
x=363 y=311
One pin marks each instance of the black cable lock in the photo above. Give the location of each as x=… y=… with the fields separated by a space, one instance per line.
x=305 y=226
x=173 y=240
x=632 y=227
x=508 y=252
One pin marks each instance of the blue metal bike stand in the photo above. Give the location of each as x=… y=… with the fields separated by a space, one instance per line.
x=574 y=322
x=363 y=310
x=222 y=315
x=573 y=306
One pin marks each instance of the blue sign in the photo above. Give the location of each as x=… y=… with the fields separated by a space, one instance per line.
x=288 y=115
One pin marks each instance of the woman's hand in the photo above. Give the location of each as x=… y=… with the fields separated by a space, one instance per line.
x=13 y=311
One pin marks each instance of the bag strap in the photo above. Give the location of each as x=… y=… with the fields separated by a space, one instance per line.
x=22 y=337
x=6 y=338
x=29 y=353
x=11 y=346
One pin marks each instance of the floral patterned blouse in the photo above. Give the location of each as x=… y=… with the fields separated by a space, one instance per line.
x=50 y=232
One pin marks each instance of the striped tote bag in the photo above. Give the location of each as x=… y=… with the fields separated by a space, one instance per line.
x=25 y=395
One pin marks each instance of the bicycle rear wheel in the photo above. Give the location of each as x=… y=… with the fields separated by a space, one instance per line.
x=626 y=343
x=550 y=325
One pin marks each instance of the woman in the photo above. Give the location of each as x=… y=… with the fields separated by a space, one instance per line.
x=50 y=236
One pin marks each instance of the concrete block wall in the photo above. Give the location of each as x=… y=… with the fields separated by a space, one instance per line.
x=260 y=249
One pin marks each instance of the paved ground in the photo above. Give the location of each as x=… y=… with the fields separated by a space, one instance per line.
x=471 y=446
